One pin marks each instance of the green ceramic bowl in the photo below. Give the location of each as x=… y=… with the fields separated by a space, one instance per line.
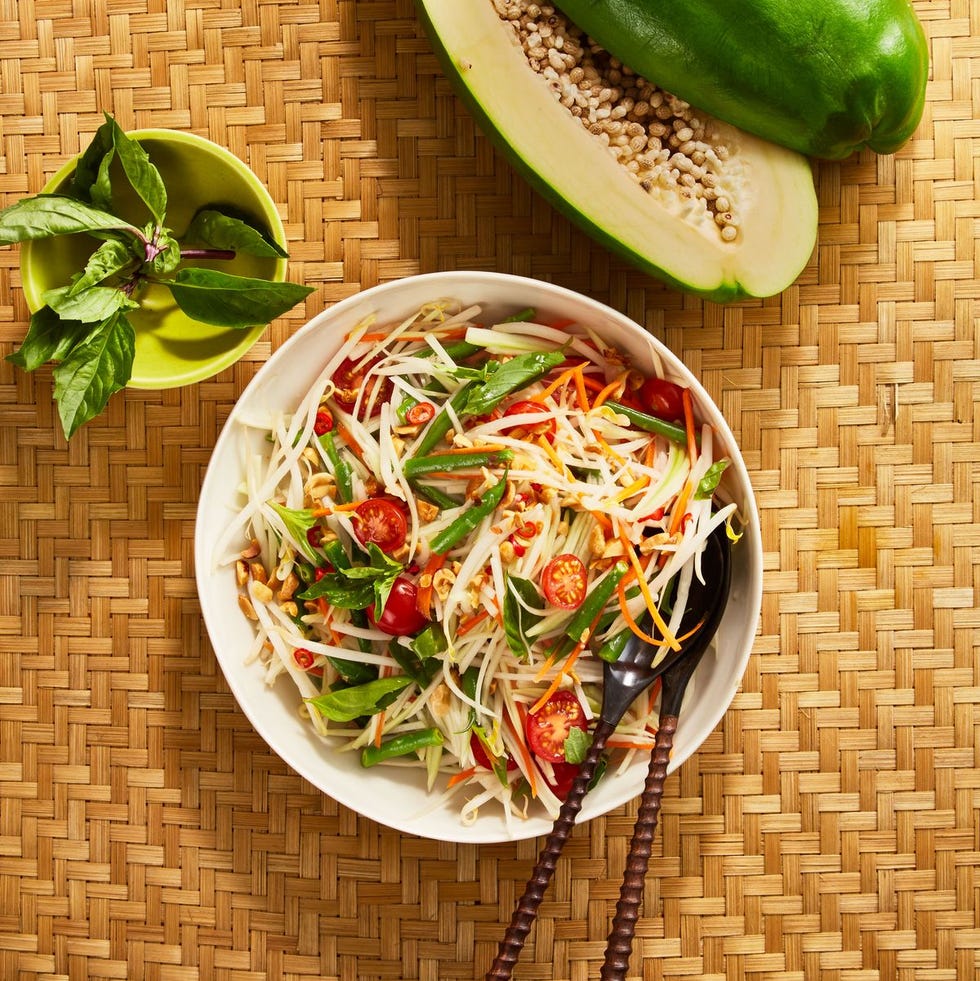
x=171 y=349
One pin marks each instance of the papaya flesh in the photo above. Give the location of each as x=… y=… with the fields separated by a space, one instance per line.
x=824 y=77
x=666 y=231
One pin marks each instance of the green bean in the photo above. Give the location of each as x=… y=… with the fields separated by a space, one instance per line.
x=447 y=462
x=407 y=742
x=650 y=424
x=439 y=498
x=341 y=469
x=595 y=602
x=614 y=646
x=442 y=422
x=455 y=532
x=522 y=316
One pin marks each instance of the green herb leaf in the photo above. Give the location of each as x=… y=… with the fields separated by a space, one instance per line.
x=517 y=619
x=509 y=377
x=430 y=642
x=46 y=215
x=167 y=254
x=340 y=591
x=221 y=231
x=709 y=482
x=90 y=164
x=576 y=745
x=348 y=704
x=224 y=300
x=108 y=259
x=141 y=174
x=92 y=305
x=298 y=522
x=48 y=339
x=93 y=371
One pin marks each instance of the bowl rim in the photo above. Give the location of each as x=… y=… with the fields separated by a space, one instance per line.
x=443 y=285
x=195 y=370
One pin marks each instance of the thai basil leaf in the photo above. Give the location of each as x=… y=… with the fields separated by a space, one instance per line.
x=709 y=482
x=430 y=642
x=46 y=215
x=298 y=522
x=49 y=338
x=517 y=619
x=141 y=174
x=167 y=254
x=221 y=231
x=233 y=301
x=93 y=371
x=576 y=745
x=348 y=704
x=509 y=377
x=340 y=591
x=92 y=168
x=92 y=305
x=109 y=258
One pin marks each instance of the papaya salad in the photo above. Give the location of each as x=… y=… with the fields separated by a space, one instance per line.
x=455 y=527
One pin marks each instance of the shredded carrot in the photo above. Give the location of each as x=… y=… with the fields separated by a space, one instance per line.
x=380 y=730
x=344 y=433
x=692 y=439
x=601 y=520
x=628 y=617
x=549 y=450
x=669 y=639
x=376 y=337
x=633 y=488
x=680 y=509
x=350 y=506
x=423 y=600
x=546 y=667
x=529 y=768
x=563 y=379
x=583 y=397
x=469 y=623
x=607 y=391
x=322 y=512
x=607 y=449
x=458 y=778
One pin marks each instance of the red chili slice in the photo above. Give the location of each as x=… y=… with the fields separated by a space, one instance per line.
x=565 y=581
x=420 y=413
x=323 y=423
x=547 y=427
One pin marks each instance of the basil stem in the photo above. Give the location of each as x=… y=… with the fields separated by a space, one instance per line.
x=455 y=532
x=650 y=424
x=407 y=742
x=447 y=462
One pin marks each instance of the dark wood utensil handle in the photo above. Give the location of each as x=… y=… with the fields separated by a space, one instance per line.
x=620 y=941
x=527 y=908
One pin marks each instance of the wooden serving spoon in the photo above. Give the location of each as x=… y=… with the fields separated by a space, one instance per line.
x=675 y=680
x=623 y=681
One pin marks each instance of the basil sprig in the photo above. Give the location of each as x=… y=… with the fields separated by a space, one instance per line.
x=358 y=586
x=84 y=326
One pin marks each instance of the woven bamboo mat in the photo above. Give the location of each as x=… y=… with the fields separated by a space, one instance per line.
x=829 y=828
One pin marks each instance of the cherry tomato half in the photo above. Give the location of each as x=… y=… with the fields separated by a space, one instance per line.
x=545 y=428
x=565 y=774
x=348 y=380
x=482 y=758
x=400 y=615
x=663 y=399
x=380 y=521
x=548 y=728
x=420 y=413
x=564 y=581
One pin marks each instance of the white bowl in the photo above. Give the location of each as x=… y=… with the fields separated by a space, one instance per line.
x=397 y=797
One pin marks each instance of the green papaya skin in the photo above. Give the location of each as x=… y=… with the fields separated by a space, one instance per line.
x=824 y=77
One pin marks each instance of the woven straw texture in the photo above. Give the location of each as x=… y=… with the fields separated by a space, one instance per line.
x=830 y=826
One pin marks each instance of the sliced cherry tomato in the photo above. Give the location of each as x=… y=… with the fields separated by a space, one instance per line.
x=661 y=398
x=420 y=413
x=546 y=427
x=400 y=615
x=314 y=535
x=564 y=581
x=380 y=521
x=482 y=758
x=323 y=423
x=548 y=728
x=348 y=380
x=565 y=774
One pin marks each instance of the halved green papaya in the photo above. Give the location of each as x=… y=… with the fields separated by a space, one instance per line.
x=669 y=235
x=824 y=78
